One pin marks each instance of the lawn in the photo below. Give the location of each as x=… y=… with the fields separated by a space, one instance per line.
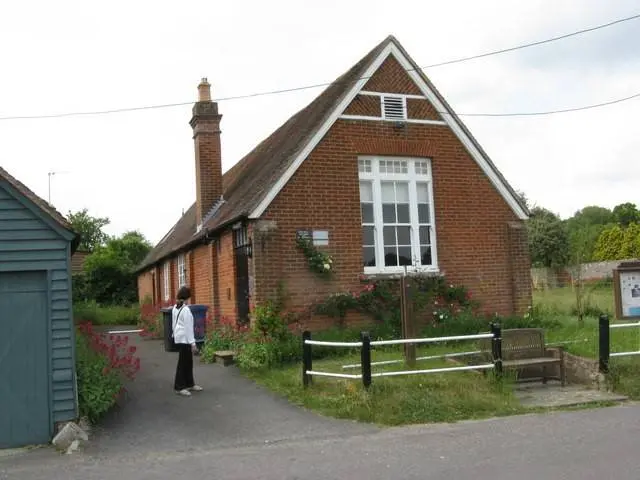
x=563 y=300
x=420 y=398
x=453 y=396
x=105 y=315
x=624 y=376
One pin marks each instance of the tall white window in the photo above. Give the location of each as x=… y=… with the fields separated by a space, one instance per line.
x=166 y=273
x=396 y=202
x=182 y=271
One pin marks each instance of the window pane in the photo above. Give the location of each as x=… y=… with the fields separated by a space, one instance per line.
x=390 y=257
x=423 y=213
x=425 y=237
x=425 y=255
x=367 y=212
x=402 y=192
x=423 y=192
x=404 y=236
x=366 y=192
x=403 y=213
x=367 y=236
x=389 y=234
x=388 y=192
x=404 y=255
x=389 y=213
x=369 y=256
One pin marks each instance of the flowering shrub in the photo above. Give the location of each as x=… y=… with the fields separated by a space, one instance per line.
x=224 y=335
x=432 y=298
x=273 y=338
x=319 y=262
x=103 y=362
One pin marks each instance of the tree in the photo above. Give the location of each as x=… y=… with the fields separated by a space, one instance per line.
x=89 y=228
x=584 y=229
x=626 y=213
x=618 y=243
x=109 y=269
x=548 y=239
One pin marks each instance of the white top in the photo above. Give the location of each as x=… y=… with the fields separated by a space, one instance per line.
x=183 y=325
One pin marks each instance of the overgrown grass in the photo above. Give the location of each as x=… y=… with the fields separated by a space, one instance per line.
x=562 y=301
x=107 y=315
x=451 y=396
x=624 y=374
x=420 y=398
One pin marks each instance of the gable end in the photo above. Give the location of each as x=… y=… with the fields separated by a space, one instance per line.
x=37 y=211
x=424 y=90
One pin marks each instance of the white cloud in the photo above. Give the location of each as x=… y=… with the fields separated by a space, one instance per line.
x=138 y=169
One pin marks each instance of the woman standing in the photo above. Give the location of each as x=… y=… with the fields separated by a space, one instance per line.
x=184 y=338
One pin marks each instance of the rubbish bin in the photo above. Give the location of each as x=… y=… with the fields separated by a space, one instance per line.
x=199 y=313
x=166 y=329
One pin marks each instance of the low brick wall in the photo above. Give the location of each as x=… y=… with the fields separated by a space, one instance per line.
x=583 y=371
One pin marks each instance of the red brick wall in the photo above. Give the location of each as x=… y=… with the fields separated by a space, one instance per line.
x=364 y=105
x=145 y=285
x=226 y=275
x=476 y=245
x=202 y=278
x=420 y=109
x=391 y=78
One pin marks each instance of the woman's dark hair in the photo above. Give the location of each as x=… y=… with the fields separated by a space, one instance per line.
x=183 y=293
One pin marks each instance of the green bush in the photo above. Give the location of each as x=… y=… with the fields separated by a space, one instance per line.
x=105 y=315
x=98 y=385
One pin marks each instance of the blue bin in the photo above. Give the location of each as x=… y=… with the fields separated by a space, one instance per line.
x=199 y=313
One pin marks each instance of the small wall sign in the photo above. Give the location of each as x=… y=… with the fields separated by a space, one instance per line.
x=626 y=287
x=319 y=238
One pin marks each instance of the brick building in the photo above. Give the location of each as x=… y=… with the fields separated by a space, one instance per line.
x=378 y=170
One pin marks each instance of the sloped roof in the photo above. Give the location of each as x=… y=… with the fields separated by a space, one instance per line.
x=251 y=180
x=248 y=181
x=43 y=205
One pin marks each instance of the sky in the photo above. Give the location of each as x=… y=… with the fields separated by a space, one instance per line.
x=137 y=168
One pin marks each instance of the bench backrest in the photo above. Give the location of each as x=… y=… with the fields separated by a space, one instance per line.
x=519 y=343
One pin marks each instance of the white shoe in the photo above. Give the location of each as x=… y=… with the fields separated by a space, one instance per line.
x=184 y=392
x=196 y=388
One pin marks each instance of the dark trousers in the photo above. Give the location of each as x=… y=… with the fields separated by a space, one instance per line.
x=184 y=370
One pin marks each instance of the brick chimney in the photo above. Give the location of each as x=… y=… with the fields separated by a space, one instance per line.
x=206 y=136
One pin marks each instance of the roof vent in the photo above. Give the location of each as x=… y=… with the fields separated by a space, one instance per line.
x=394 y=108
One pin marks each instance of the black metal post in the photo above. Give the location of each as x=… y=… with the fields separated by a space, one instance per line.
x=603 y=343
x=307 y=363
x=496 y=347
x=365 y=358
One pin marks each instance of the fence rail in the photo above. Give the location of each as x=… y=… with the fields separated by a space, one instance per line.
x=365 y=364
x=604 y=342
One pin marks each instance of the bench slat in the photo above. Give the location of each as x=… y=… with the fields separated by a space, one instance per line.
x=530 y=361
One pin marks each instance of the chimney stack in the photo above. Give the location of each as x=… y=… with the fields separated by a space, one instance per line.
x=205 y=123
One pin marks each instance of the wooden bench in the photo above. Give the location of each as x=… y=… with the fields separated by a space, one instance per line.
x=525 y=347
x=226 y=356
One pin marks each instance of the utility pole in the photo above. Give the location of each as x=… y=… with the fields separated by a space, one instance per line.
x=51 y=174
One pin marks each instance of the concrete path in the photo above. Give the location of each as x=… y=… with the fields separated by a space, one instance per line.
x=231 y=411
x=236 y=430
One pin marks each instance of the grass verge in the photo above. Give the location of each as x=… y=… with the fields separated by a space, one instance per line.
x=107 y=315
x=420 y=398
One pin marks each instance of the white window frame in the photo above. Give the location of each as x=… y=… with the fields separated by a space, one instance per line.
x=374 y=175
x=182 y=270
x=166 y=274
